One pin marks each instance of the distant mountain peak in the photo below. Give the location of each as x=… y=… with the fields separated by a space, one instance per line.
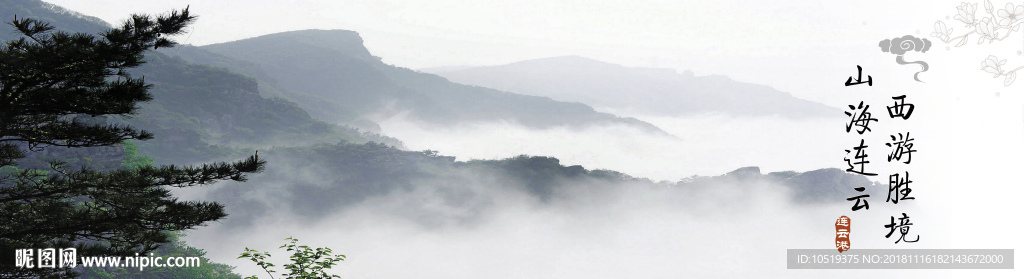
x=563 y=62
x=59 y=17
x=340 y=41
x=566 y=59
x=637 y=90
x=334 y=33
x=331 y=71
x=69 y=13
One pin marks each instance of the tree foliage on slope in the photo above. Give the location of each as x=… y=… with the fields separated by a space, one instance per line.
x=48 y=80
x=46 y=12
x=206 y=111
x=175 y=248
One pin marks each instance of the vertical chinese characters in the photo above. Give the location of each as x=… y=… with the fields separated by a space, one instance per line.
x=901 y=151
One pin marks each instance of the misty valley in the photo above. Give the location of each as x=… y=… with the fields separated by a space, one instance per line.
x=562 y=167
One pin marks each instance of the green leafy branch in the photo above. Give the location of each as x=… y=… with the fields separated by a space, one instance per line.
x=306 y=262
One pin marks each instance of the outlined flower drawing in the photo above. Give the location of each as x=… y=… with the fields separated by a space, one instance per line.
x=901 y=45
x=1010 y=14
x=994 y=66
x=965 y=13
x=993 y=25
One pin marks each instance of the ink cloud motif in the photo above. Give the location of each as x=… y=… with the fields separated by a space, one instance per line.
x=901 y=45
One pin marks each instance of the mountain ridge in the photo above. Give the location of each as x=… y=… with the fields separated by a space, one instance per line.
x=637 y=90
x=344 y=76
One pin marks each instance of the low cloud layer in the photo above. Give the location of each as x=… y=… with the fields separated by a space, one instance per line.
x=487 y=228
x=467 y=223
x=704 y=145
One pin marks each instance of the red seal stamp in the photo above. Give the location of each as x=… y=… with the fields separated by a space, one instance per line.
x=843 y=233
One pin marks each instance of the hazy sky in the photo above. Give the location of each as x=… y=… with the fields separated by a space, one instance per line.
x=795 y=46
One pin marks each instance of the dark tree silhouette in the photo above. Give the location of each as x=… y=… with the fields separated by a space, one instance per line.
x=51 y=84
